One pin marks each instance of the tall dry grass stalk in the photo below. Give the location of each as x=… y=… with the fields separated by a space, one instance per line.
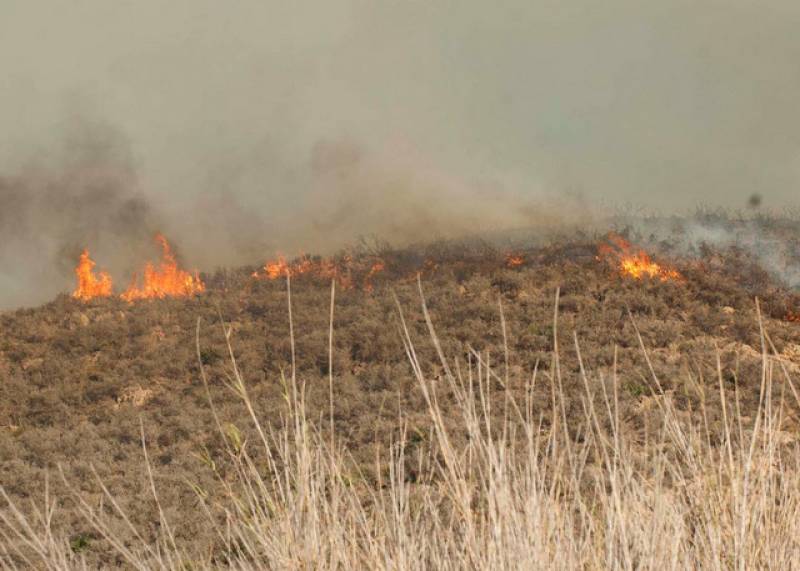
x=510 y=489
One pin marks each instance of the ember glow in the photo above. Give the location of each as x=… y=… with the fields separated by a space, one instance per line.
x=89 y=284
x=166 y=280
x=514 y=260
x=793 y=316
x=633 y=263
x=347 y=271
x=376 y=268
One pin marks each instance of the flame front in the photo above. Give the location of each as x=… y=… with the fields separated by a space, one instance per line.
x=89 y=284
x=166 y=280
x=635 y=264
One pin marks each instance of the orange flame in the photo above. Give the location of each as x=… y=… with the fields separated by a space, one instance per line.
x=89 y=284
x=635 y=264
x=514 y=260
x=376 y=268
x=167 y=280
x=280 y=267
x=793 y=316
x=342 y=270
x=276 y=268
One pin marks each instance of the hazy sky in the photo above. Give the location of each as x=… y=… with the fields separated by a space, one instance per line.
x=254 y=126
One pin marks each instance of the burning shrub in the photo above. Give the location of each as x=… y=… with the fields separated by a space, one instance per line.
x=165 y=281
x=632 y=263
x=89 y=284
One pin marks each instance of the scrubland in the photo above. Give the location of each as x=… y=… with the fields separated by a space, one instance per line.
x=550 y=415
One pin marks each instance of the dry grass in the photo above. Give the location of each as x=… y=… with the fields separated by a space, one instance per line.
x=523 y=487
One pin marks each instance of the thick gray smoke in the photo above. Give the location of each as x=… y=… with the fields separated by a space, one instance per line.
x=83 y=192
x=248 y=128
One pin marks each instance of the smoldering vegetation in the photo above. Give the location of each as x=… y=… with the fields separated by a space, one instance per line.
x=455 y=375
x=278 y=131
x=768 y=237
x=86 y=193
x=683 y=361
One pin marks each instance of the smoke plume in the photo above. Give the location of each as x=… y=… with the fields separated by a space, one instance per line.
x=83 y=193
x=244 y=130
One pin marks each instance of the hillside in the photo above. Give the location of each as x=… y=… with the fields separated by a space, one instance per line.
x=77 y=378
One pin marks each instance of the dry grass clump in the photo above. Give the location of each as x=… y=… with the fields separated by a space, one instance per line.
x=509 y=484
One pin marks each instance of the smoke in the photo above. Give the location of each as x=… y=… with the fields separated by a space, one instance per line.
x=83 y=192
x=769 y=239
x=243 y=130
x=776 y=253
x=342 y=191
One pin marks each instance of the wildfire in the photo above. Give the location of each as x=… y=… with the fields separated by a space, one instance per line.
x=793 y=316
x=344 y=270
x=376 y=268
x=89 y=284
x=280 y=267
x=635 y=264
x=276 y=268
x=166 y=280
x=514 y=260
